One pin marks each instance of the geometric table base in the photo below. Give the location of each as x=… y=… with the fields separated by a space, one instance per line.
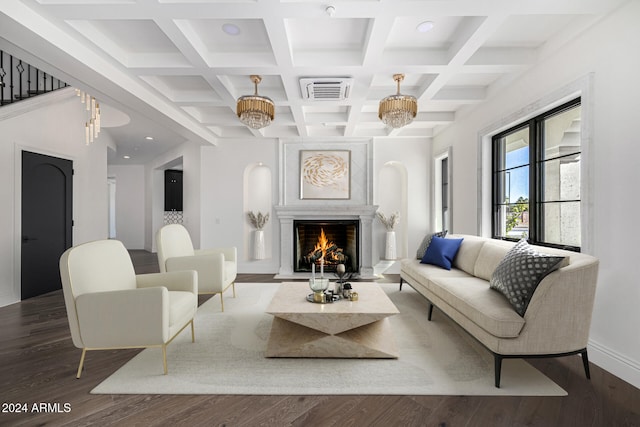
x=373 y=340
x=342 y=329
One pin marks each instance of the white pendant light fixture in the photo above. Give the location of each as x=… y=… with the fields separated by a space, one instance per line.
x=92 y=126
x=254 y=110
x=398 y=110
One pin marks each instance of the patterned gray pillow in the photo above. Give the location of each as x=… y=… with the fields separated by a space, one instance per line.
x=518 y=274
x=427 y=241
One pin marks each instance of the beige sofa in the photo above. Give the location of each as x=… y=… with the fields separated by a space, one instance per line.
x=556 y=321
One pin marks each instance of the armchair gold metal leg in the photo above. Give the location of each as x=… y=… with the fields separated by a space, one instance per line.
x=193 y=332
x=84 y=352
x=233 y=285
x=221 y=301
x=164 y=359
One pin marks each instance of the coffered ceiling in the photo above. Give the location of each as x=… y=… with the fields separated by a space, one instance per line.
x=171 y=66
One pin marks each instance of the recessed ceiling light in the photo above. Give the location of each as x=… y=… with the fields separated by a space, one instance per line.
x=231 y=29
x=425 y=26
x=148 y=138
x=126 y=157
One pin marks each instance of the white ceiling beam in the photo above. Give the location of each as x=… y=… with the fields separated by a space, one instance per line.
x=462 y=93
x=283 y=53
x=471 y=37
x=503 y=56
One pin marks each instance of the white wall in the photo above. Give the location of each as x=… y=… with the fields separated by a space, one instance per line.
x=130 y=205
x=412 y=154
x=223 y=211
x=609 y=51
x=51 y=124
x=224 y=218
x=188 y=155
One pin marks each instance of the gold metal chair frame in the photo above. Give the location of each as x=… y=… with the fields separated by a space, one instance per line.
x=233 y=286
x=163 y=346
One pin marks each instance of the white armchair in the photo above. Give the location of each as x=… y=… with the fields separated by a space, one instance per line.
x=110 y=307
x=217 y=268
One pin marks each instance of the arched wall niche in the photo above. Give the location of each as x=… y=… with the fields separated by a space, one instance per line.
x=392 y=197
x=257 y=198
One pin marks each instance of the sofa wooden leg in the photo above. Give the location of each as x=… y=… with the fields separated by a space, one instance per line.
x=585 y=362
x=430 y=311
x=401 y=281
x=497 y=362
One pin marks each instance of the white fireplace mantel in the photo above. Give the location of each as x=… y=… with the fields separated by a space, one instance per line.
x=287 y=214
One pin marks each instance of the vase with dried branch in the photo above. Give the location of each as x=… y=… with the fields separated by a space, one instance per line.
x=258 y=220
x=390 y=243
x=390 y=222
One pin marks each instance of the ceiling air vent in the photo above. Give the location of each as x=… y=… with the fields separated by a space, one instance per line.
x=326 y=88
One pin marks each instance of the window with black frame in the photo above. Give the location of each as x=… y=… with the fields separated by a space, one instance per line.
x=536 y=179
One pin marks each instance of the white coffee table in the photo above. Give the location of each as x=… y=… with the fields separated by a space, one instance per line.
x=342 y=329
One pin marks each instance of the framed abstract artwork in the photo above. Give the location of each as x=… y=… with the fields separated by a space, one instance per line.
x=325 y=174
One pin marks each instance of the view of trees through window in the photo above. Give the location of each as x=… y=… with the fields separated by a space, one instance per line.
x=536 y=179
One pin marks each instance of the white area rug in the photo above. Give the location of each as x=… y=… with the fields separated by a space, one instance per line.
x=436 y=358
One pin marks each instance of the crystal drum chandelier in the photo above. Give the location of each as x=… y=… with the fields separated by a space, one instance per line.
x=398 y=110
x=254 y=110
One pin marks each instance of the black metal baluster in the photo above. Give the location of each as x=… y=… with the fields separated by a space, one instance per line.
x=24 y=88
x=20 y=69
x=10 y=79
x=2 y=74
x=29 y=80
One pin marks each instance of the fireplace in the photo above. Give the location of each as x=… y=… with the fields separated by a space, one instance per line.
x=333 y=241
x=363 y=215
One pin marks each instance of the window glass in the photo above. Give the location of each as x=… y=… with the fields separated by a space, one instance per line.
x=562 y=223
x=445 y=194
x=561 y=135
x=561 y=179
x=517 y=148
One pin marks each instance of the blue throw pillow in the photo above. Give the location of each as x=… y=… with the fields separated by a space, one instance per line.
x=426 y=241
x=441 y=252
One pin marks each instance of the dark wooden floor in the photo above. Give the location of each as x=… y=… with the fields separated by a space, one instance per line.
x=38 y=363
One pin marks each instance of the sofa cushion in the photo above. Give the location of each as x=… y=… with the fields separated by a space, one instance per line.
x=426 y=241
x=467 y=255
x=423 y=272
x=490 y=256
x=473 y=298
x=441 y=252
x=519 y=273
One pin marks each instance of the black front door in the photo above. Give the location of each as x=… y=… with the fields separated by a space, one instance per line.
x=46 y=221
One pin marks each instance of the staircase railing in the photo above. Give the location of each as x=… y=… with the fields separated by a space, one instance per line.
x=19 y=80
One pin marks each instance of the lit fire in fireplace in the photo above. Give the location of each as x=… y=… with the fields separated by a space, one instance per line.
x=327 y=250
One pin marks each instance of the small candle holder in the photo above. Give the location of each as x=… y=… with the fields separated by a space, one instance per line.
x=319 y=286
x=346 y=290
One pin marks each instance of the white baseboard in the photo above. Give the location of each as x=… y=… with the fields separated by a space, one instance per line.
x=266 y=266
x=8 y=298
x=615 y=363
